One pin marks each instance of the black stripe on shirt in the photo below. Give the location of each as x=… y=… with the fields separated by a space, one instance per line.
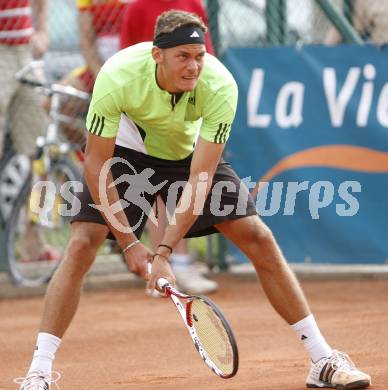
x=218 y=133
x=224 y=133
x=92 y=124
x=102 y=125
x=94 y=131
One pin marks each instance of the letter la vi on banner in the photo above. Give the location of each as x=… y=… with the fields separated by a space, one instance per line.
x=312 y=128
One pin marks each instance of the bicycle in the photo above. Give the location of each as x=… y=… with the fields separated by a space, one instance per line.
x=37 y=228
x=14 y=171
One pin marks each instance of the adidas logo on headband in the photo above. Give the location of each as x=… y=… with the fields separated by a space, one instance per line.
x=185 y=35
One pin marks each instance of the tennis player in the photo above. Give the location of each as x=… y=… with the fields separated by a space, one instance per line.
x=168 y=106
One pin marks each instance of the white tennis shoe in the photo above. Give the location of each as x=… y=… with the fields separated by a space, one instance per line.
x=190 y=280
x=37 y=380
x=337 y=372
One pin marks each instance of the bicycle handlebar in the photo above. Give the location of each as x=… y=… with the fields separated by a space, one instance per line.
x=48 y=89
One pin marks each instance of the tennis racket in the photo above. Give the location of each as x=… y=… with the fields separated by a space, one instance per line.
x=210 y=331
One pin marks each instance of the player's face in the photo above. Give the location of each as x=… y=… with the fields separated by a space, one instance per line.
x=179 y=67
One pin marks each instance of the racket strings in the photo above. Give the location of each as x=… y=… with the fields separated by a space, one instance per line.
x=212 y=335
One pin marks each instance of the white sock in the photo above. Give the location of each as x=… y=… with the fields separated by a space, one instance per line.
x=180 y=260
x=312 y=339
x=44 y=354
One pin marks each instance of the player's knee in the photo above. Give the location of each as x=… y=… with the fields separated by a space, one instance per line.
x=82 y=250
x=260 y=237
x=80 y=255
x=87 y=237
x=82 y=246
x=262 y=247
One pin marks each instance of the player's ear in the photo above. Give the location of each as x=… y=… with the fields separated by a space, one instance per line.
x=157 y=54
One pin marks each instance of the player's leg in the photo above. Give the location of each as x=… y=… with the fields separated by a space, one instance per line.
x=64 y=289
x=329 y=368
x=62 y=299
x=255 y=239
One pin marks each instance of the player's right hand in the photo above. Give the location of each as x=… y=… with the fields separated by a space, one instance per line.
x=137 y=259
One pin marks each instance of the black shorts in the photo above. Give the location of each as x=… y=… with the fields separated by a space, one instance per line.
x=227 y=200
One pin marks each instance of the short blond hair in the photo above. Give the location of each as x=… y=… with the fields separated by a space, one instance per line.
x=169 y=21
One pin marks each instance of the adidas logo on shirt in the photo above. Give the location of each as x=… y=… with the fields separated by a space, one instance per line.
x=194 y=35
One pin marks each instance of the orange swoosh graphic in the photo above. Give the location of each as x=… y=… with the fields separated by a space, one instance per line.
x=353 y=158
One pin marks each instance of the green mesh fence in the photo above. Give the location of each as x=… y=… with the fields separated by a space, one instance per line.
x=64 y=49
x=237 y=23
x=253 y=23
x=233 y=23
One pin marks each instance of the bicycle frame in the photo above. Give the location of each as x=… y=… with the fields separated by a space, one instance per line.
x=18 y=173
x=55 y=92
x=14 y=172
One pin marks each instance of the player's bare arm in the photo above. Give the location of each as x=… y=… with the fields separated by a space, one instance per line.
x=98 y=151
x=205 y=160
x=204 y=163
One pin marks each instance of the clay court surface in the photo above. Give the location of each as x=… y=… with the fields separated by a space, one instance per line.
x=123 y=339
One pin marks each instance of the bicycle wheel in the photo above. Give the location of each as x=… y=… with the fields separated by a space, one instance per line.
x=36 y=245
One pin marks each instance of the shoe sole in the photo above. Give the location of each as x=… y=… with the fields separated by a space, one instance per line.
x=349 y=386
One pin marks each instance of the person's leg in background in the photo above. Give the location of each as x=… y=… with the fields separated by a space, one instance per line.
x=189 y=278
x=9 y=64
x=28 y=120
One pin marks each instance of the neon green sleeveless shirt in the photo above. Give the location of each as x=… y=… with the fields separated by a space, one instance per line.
x=127 y=103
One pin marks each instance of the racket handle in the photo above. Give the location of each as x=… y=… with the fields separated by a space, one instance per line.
x=162 y=283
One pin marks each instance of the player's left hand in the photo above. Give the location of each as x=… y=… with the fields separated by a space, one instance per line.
x=160 y=269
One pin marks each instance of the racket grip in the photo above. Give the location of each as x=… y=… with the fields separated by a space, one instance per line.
x=161 y=282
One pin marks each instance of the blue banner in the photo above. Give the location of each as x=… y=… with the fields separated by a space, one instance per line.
x=312 y=131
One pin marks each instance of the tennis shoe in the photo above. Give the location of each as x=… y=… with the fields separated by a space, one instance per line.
x=190 y=280
x=337 y=372
x=37 y=380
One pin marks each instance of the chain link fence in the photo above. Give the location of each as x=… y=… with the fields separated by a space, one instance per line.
x=369 y=19
x=234 y=23
x=63 y=29
x=253 y=23
x=237 y=23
